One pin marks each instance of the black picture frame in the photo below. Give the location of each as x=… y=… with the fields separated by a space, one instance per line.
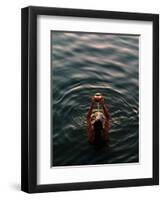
x=29 y=99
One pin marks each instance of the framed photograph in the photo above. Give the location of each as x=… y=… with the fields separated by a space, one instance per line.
x=90 y=99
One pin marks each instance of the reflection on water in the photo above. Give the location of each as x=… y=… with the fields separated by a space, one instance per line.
x=83 y=64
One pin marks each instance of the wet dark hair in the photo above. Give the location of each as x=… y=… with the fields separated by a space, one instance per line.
x=98 y=131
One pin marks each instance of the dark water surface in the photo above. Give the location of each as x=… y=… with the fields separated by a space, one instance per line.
x=83 y=64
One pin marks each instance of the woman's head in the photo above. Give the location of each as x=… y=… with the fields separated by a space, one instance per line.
x=99 y=116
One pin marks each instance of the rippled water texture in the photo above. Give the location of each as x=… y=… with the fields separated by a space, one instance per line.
x=83 y=64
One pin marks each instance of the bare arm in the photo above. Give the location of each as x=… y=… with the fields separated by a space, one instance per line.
x=90 y=112
x=105 y=110
x=89 y=125
x=106 y=122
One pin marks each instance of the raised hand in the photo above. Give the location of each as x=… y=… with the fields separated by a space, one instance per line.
x=97 y=98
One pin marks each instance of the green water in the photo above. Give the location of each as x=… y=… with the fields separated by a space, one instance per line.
x=83 y=64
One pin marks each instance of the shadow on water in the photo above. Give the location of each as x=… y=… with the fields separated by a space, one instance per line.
x=83 y=64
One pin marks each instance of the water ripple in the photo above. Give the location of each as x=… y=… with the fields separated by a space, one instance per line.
x=83 y=64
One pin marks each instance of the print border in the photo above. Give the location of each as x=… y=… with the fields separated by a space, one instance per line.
x=29 y=98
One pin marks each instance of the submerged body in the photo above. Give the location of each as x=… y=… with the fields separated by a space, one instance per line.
x=98 y=122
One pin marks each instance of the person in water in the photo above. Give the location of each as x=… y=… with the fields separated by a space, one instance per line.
x=98 y=122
